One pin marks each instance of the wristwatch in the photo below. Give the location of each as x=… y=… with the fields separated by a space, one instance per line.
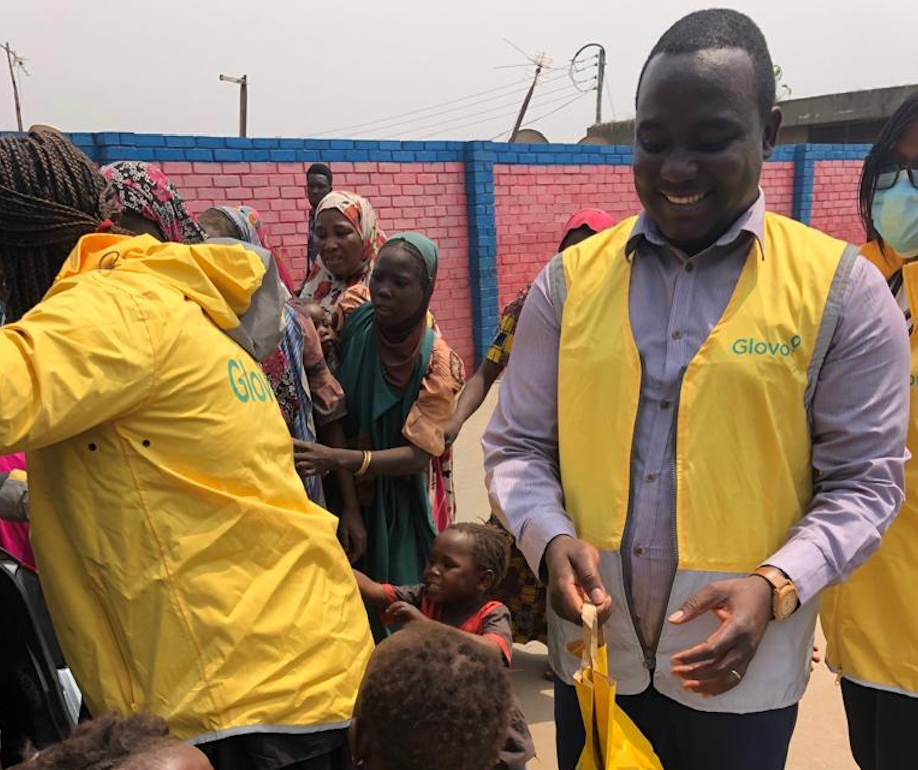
x=784 y=600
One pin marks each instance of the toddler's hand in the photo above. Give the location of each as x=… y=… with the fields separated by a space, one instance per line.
x=402 y=612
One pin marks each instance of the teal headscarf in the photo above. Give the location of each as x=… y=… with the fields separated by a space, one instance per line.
x=427 y=249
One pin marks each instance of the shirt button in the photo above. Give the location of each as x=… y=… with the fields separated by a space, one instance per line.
x=638 y=551
x=677 y=335
x=689 y=267
x=650 y=477
x=665 y=404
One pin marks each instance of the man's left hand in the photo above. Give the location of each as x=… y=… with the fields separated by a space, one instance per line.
x=719 y=663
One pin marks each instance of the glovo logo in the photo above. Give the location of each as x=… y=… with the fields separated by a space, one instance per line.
x=248 y=386
x=750 y=346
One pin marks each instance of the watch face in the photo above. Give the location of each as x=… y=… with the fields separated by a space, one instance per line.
x=785 y=604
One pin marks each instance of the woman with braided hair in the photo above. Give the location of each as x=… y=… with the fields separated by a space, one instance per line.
x=186 y=570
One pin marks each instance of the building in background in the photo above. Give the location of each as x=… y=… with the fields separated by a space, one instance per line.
x=855 y=117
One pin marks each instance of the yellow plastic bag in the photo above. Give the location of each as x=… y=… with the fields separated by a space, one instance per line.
x=613 y=741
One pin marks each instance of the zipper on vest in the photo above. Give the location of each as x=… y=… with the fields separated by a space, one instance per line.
x=650 y=656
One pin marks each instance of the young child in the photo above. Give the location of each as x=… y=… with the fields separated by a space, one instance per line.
x=138 y=742
x=431 y=698
x=466 y=563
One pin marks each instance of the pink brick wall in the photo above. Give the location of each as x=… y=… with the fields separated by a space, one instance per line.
x=532 y=203
x=428 y=197
x=835 y=199
x=778 y=184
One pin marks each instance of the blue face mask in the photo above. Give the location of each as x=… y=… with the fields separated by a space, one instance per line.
x=895 y=216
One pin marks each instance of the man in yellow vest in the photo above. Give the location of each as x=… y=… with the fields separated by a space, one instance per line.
x=701 y=425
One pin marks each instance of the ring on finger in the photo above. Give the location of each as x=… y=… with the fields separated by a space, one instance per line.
x=736 y=674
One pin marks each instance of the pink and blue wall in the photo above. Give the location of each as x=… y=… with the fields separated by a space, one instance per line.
x=495 y=210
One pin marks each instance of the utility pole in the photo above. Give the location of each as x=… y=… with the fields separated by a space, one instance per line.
x=600 y=75
x=14 y=61
x=243 y=84
x=519 y=118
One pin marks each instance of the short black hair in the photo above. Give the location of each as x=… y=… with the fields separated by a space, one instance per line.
x=719 y=29
x=432 y=697
x=103 y=743
x=879 y=156
x=320 y=168
x=490 y=547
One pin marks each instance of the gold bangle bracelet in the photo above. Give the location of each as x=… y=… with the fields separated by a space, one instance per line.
x=365 y=465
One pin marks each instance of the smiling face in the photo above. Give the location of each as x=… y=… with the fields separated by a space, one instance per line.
x=396 y=286
x=451 y=575
x=339 y=244
x=700 y=141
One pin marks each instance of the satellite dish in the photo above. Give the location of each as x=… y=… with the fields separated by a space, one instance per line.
x=530 y=136
x=594 y=140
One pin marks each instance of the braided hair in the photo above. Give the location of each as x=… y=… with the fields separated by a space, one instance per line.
x=490 y=547
x=51 y=195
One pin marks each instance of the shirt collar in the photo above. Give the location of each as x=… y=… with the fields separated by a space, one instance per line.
x=751 y=221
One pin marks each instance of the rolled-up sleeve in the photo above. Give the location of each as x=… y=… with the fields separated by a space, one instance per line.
x=860 y=417
x=521 y=441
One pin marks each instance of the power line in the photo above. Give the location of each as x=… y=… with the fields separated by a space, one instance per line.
x=388 y=126
x=506 y=88
x=557 y=109
x=495 y=117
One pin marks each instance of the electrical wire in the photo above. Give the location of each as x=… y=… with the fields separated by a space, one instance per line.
x=392 y=121
x=492 y=117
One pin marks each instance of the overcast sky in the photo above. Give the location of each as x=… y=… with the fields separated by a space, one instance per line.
x=317 y=67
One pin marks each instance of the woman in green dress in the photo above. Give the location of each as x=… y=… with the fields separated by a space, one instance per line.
x=400 y=382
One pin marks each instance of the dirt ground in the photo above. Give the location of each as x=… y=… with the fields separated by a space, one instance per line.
x=820 y=741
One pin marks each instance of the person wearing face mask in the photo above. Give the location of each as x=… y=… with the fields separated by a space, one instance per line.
x=870 y=621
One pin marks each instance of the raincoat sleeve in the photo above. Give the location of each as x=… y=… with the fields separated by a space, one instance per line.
x=81 y=357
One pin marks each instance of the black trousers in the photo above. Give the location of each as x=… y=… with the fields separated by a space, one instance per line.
x=881 y=727
x=685 y=739
x=325 y=750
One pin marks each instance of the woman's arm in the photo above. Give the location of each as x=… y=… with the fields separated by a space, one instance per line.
x=471 y=398
x=351 y=530
x=316 y=459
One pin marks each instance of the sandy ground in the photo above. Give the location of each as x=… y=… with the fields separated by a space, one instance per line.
x=820 y=741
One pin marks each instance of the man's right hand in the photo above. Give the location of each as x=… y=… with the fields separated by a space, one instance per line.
x=573 y=575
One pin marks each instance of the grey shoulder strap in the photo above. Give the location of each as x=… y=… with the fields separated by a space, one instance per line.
x=557 y=285
x=830 y=316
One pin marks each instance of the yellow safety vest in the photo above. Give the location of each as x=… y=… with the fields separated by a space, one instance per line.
x=743 y=470
x=870 y=621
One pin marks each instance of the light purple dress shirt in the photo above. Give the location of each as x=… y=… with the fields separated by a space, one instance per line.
x=858 y=419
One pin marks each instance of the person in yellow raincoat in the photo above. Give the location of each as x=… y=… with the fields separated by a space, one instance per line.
x=186 y=571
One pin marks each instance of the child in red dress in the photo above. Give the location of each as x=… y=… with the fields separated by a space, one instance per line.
x=466 y=563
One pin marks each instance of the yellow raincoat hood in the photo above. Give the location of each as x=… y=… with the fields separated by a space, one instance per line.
x=235 y=284
x=186 y=571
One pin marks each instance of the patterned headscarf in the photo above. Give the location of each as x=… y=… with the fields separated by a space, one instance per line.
x=144 y=189
x=251 y=229
x=321 y=285
x=248 y=224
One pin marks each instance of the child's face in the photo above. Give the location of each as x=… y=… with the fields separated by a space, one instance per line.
x=451 y=575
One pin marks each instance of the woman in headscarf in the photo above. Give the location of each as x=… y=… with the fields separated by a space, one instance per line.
x=520 y=590
x=306 y=391
x=400 y=381
x=150 y=203
x=347 y=239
